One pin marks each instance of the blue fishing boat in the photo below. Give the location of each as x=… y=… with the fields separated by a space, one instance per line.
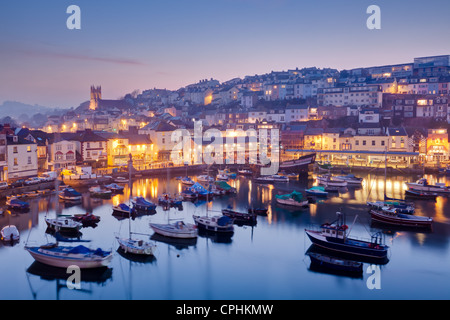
x=143 y=205
x=18 y=205
x=334 y=237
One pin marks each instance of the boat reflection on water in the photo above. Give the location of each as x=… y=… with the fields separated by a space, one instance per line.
x=136 y=257
x=178 y=243
x=216 y=237
x=322 y=262
x=97 y=276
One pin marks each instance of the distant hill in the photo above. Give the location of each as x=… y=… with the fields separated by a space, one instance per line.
x=15 y=109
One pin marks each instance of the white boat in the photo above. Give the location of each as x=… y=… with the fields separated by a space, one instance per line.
x=351 y=179
x=121 y=180
x=422 y=185
x=329 y=181
x=222 y=177
x=219 y=224
x=187 y=181
x=264 y=179
x=293 y=199
x=175 y=230
x=205 y=178
x=63 y=257
x=63 y=224
x=98 y=191
x=135 y=246
x=70 y=194
x=10 y=233
x=279 y=178
x=245 y=172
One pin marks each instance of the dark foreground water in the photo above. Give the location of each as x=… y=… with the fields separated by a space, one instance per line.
x=267 y=261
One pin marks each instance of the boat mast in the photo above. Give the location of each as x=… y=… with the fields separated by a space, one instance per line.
x=130 y=164
x=385 y=171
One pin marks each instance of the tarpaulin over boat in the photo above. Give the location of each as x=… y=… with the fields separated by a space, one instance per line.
x=224 y=220
x=197 y=187
x=297 y=196
x=223 y=185
x=142 y=201
x=80 y=249
x=71 y=192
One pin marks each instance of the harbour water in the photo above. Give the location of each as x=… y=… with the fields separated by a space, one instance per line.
x=264 y=262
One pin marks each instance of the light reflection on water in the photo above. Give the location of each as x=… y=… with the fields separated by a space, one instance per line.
x=263 y=262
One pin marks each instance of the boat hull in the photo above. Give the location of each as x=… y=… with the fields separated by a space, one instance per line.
x=401 y=219
x=293 y=203
x=204 y=223
x=65 y=262
x=171 y=231
x=137 y=247
x=352 y=247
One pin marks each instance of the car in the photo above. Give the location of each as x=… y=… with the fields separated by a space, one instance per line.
x=18 y=183
x=34 y=180
x=4 y=185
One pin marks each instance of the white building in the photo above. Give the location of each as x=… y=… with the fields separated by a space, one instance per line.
x=21 y=157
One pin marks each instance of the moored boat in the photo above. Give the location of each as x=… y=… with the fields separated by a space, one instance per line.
x=63 y=224
x=390 y=216
x=299 y=165
x=98 y=191
x=317 y=191
x=64 y=257
x=70 y=194
x=141 y=204
x=293 y=199
x=10 y=233
x=419 y=195
x=178 y=229
x=217 y=224
x=423 y=185
x=240 y=217
x=187 y=181
x=334 y=237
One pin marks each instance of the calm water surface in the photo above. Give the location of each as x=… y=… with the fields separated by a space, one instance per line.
x=267 y=261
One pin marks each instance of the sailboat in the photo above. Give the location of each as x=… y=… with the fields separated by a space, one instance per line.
x=130 y=245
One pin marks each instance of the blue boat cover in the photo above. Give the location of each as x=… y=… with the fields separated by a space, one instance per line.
x=123 y=206
x=224 y=220
x=71 y=192
x=80 y=249
x=142 y=201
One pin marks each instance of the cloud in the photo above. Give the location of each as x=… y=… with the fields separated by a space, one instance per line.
x=82 y=57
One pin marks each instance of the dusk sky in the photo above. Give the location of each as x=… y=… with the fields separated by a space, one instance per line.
x=142 y=44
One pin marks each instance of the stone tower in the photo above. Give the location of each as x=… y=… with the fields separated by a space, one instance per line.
x=96 y=96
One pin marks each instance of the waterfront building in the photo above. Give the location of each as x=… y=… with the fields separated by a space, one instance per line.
x=21 y=155
x=437 y=145
x=62 y=153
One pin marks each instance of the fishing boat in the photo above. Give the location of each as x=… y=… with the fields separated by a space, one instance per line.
x=115 y=188
x=264 y=179
x=167 y=200
x=17 y=204
x=122 y=180
x=188 y=194
x=245 y=172
x=258 y=211
x=86 y=219
x=64 y=257
x=201 y=191
x=70 y=194
x=224 y=186
x=205 y=178
x=335 y=237
x=187 y=181
x=330 y=181
x=63 y=224
x=317 y=191
x=419 y=195
x=122 y=208
x=178 y=229
x=98 y=191
x=423 y=185
x=217 y=224
x=226 y=172
x=401 y=207
x=390 y=216
x=222 y=177
x=143 y=205
x=279 y=178
x=351 y=179
x=240 y=217
x=319 y=260
x=292 y=199
x=10 y=233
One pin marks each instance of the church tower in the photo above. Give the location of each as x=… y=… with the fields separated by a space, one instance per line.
x=96 y=96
